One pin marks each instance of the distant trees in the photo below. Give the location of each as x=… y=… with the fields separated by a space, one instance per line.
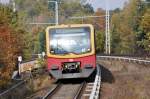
x=73 y=8
x=144 y=32
x=130 y=29
x=43 y=11
x=99 y=24
x=129 y=26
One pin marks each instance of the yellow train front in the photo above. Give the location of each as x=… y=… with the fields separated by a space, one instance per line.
x=70 y=51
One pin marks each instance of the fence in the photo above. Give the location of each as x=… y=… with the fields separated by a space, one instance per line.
x=124 y=59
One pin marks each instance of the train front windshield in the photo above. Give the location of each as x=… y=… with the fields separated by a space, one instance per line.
x=70 y=40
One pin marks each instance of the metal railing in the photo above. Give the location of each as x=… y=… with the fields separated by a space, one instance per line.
x=97 y=84
x=125 y=59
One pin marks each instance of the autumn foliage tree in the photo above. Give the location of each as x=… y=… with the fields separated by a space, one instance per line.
x=144 y=32
x=7 y=50
x=130 y=29
x=10 y=44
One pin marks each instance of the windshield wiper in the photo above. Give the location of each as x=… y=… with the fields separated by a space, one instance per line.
x=73 y=53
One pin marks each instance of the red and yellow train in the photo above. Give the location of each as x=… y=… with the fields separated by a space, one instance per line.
x=70 y=51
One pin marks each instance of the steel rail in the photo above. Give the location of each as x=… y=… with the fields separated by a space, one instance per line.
x=80 y=90
x=77 y=95
x=53 y=91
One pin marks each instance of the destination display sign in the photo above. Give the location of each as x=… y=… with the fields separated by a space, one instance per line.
x=70 y=30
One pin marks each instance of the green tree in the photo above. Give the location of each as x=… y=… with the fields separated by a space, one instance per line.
x=100 y=42
x=41 y=11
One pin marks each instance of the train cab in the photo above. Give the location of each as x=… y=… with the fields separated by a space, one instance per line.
x=70 y=51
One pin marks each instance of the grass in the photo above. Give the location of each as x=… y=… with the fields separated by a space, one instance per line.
x=130 y=85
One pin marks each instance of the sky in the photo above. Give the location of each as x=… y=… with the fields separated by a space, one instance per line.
x=113 y=4
x=4 y=1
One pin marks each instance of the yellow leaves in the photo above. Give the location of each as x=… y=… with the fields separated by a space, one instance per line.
x=145 y=26
x=124 y=27
x=146 y=21
x=148 y=40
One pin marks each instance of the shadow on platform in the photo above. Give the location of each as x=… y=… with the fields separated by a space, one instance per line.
x=106 y=75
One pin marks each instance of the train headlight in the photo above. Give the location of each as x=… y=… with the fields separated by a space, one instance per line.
x=66 y=66
x=76 y=66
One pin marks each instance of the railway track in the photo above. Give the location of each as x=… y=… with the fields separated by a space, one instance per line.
x=76 y=91
x=71 y=91
x=81 y=90
x=61 y=91
x=66 y=91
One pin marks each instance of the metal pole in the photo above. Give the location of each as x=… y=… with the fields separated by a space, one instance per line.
x=13 y=5
x=106 y=36
x=56 y=11
x=107 y=30
x=108 y=33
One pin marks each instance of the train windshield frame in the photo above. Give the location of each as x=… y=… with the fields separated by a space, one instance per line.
x=75 y=40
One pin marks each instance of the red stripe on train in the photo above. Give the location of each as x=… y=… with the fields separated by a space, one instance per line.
x=87 y=60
